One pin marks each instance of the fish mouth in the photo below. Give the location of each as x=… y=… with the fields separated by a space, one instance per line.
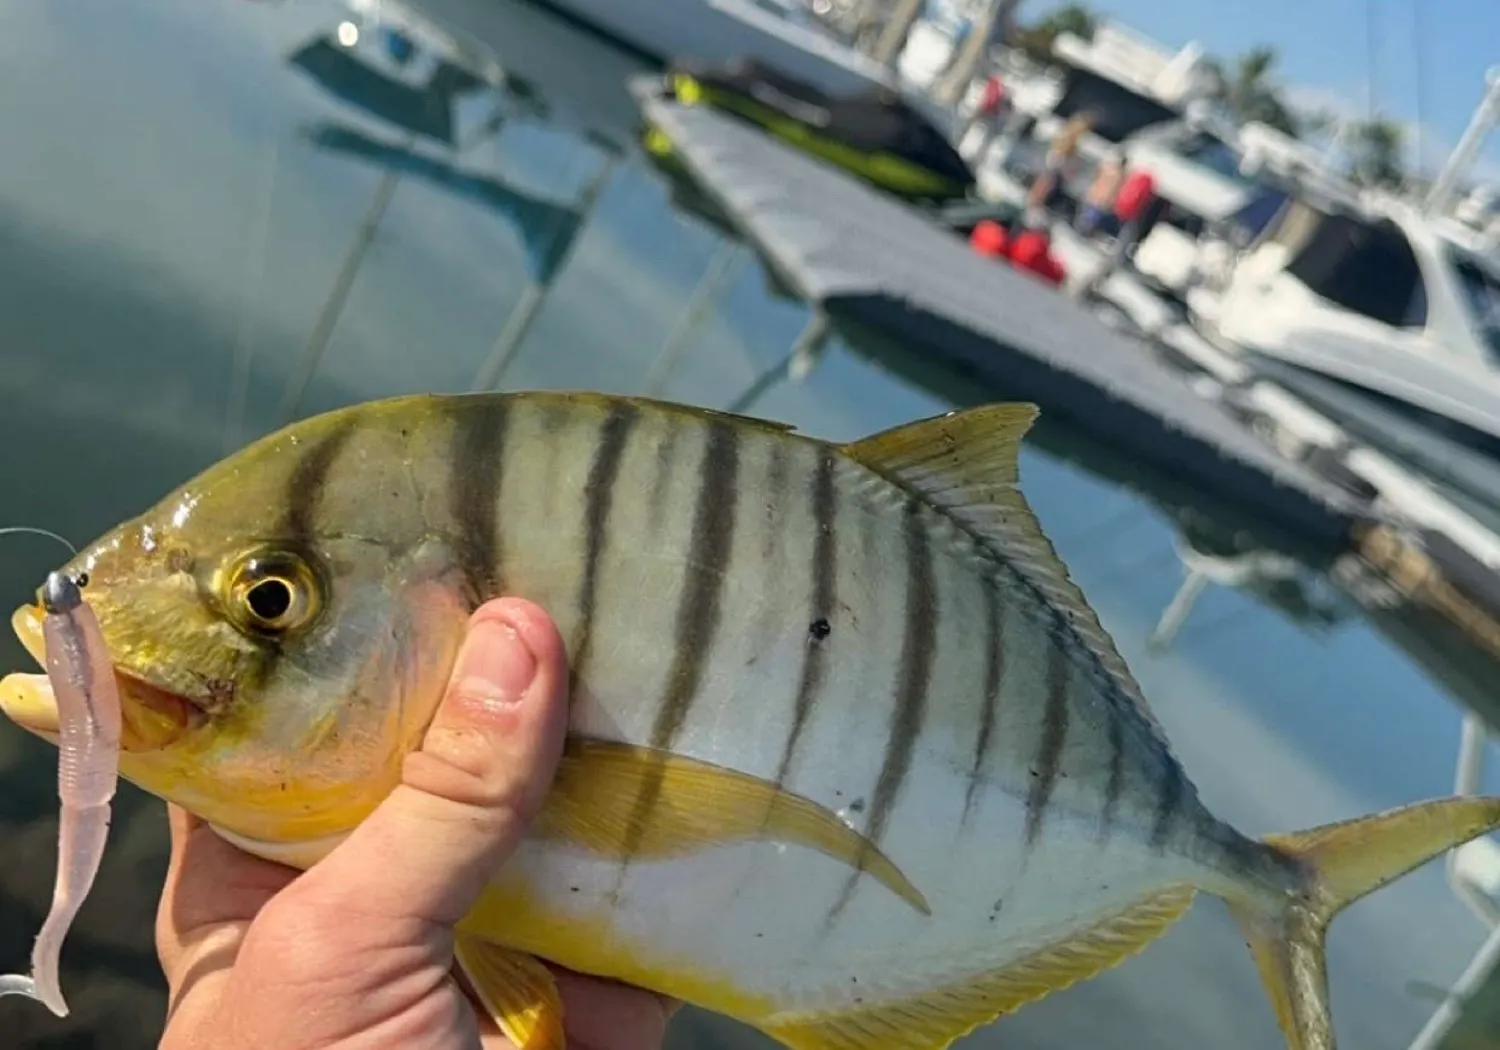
x=150 y=717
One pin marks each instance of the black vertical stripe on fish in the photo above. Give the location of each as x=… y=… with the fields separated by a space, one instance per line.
x=823 y=570
x=308 y=482
x=994 y=664
x=1054 y=736
x=1173 y=787
x=599 y=497
x=706 y=572
x=1114 y=787
x=475 y=471
x=913 y=683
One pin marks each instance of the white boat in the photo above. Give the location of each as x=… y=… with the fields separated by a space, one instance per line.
x=1224 y=185
x=1384 y=319
x=782 y=33
x=1205 y=193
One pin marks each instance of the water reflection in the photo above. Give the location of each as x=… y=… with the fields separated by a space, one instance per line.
x=230 y=212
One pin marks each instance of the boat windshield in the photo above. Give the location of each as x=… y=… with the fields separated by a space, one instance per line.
x=1365 y=267
x=1118 y=111
x=1214 y=154
x=1481 y=292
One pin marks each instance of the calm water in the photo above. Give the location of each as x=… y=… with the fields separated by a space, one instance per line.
x=178 y=199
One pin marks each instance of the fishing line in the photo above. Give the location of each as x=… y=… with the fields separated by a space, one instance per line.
x=33 y=530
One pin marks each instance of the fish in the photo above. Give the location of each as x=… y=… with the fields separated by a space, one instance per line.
x=850 y=758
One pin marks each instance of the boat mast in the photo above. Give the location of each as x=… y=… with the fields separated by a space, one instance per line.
x=1486 y=115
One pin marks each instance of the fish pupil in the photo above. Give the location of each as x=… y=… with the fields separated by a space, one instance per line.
x=270 y=599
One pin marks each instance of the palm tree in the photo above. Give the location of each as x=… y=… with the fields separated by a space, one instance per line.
x=1313 y=123
x=1376 y=149
x=1249 y=94
x=1036 y=39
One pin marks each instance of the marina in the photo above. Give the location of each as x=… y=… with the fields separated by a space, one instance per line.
x=857 y=256
x=1316 y=626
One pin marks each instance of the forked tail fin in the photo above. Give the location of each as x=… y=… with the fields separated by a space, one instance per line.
x=1344 y=862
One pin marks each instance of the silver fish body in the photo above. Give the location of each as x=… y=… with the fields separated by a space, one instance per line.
x=851 y=759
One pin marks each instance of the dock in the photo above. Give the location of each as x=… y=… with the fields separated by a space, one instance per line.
x=860 y=258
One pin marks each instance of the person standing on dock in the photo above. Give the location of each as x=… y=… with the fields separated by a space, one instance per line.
x=1098 y=202
x=1131 y=205
x=1135 y=196
x=1061 y=160
x=991 y=113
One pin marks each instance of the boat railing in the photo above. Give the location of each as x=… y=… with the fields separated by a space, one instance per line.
x=1474 y=874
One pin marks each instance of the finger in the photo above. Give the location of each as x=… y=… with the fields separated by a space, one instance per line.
x=469 y=793
x=605 y=1015
x=208 y=883
x=211 y=893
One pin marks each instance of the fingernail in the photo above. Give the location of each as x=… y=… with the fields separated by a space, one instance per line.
x=495 y=664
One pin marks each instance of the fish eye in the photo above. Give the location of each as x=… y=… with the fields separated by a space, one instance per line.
x=273 y=592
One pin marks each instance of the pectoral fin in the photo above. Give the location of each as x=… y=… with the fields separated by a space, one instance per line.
x=516 y=990
x=594 y=799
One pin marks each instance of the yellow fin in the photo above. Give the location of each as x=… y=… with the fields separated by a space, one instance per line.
x=594 y=796
x=516 y=990
x=1344 y=862
x=936 y=1018
x=966 y=453
x=966 y=463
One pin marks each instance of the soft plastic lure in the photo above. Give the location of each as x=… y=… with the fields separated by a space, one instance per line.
x=88 y=723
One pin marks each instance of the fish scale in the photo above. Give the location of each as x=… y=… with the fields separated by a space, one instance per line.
x=850 y=758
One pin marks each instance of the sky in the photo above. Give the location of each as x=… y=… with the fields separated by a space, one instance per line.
x=1428 y=61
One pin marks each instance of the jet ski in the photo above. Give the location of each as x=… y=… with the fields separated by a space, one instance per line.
x=874 y=133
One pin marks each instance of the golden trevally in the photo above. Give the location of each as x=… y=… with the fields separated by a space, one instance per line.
x=851 y=759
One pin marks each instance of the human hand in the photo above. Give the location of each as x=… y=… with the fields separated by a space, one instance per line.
x=358 y=951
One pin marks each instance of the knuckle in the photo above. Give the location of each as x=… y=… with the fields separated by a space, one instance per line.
x=465 y=767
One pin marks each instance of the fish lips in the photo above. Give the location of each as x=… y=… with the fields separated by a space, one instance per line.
x=150 y=717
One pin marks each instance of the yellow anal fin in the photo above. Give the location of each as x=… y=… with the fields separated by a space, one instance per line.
x=936 y=1018
x=516 y=990
x=594 y=799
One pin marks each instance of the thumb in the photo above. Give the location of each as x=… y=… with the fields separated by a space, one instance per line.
x=467 y=796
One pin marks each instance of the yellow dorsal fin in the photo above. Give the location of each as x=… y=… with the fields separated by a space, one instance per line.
x=516 y=990
x=966 y=463
x=697 y=804
x=936 y=1018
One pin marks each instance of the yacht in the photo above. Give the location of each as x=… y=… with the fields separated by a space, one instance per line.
x=1220 y=187
x=1385 y=319
x=1205 y=191
x=782 y=33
